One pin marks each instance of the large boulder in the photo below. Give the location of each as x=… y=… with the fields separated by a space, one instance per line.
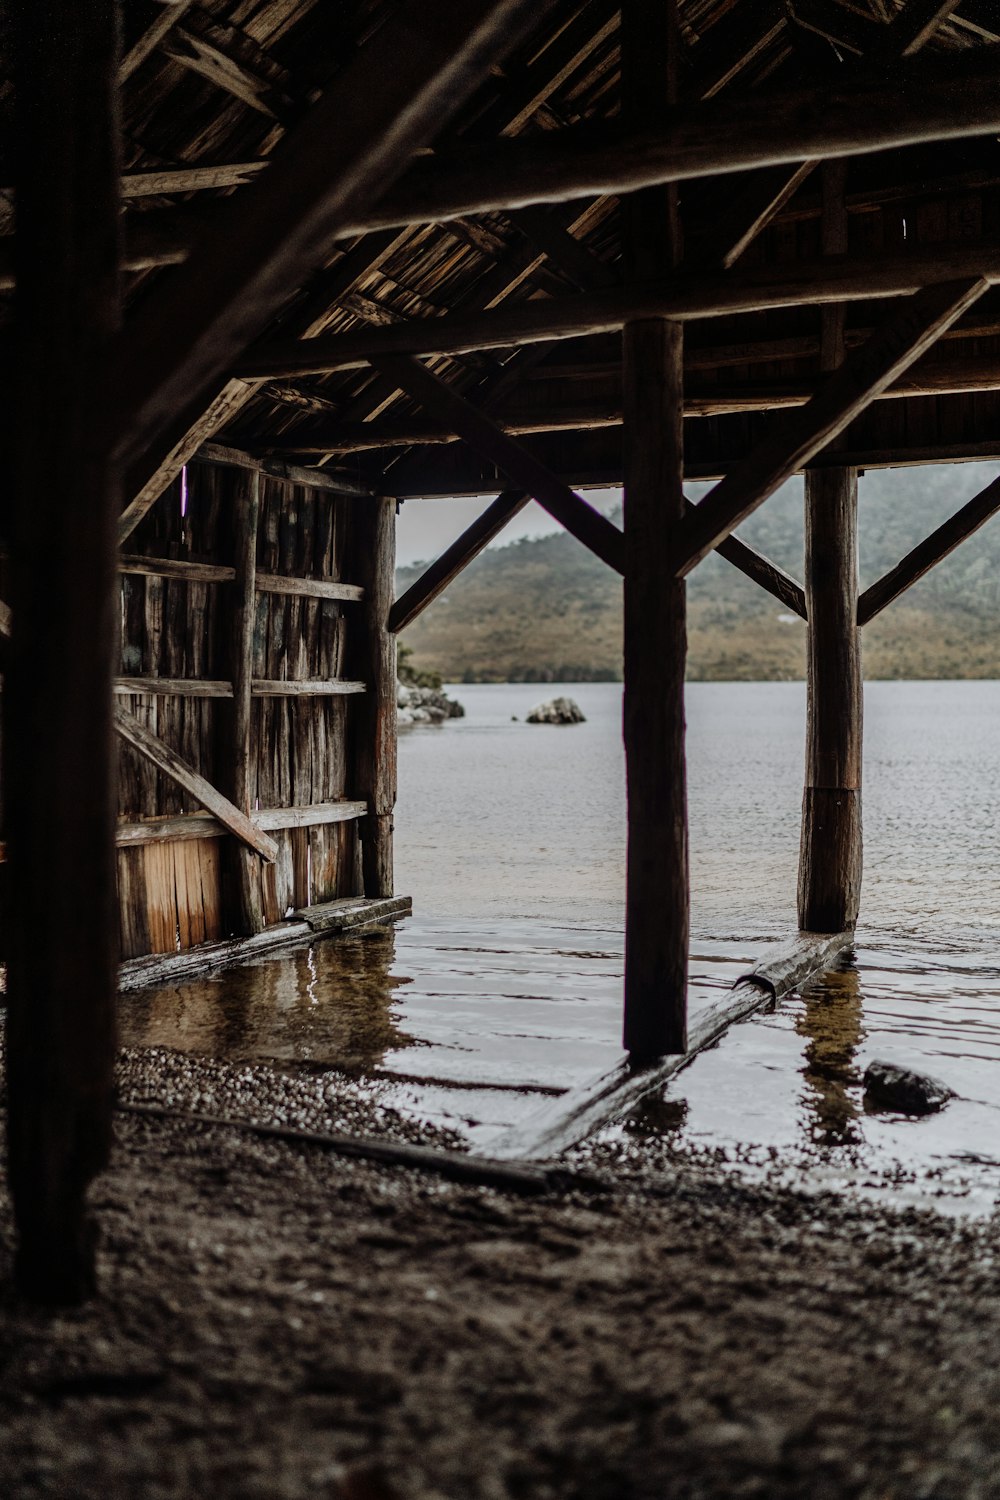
x=890 y=1087
x=557 y=711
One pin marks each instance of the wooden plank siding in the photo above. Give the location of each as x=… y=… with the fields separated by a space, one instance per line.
x=177 y=599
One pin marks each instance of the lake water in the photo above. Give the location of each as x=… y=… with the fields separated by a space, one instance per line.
x=506 y=983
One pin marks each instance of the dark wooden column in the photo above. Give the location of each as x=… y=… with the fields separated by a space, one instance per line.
x=830 y=854
x=373 y=565
x=246 y=904
x=830 y=858
x=657 y=919
x=61 y=784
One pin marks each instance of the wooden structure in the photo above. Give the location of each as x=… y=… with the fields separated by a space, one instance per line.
x=271 y=265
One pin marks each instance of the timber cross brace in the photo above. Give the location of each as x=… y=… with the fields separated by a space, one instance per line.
x=267 y=276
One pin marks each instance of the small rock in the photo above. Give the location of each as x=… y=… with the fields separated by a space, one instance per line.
x=888 y=1086
x=556 y=711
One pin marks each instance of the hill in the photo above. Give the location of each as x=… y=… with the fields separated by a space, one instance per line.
x=546 y=610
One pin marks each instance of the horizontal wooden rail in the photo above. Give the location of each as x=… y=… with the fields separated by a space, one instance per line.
x=174 y=687
x=309 y=588
x=321 y=688
x=267 y=583
x=170 y=567
x=263 y=687
x=203 y=826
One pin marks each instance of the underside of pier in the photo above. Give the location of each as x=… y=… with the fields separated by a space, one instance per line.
x=268 y=267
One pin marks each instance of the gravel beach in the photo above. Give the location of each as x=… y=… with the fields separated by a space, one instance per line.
x=276 y=1321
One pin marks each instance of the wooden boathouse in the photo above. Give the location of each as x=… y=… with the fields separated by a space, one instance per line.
x=270 y=266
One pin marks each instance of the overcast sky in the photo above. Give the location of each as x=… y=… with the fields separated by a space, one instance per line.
x=426 y=527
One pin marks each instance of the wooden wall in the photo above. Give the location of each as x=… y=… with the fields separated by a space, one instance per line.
x=174 y=887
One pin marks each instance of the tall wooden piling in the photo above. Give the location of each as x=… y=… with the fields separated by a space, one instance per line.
x=60 y=769
x=373 y=565
x=830 y=855
x=657 y=919
x=242 y=863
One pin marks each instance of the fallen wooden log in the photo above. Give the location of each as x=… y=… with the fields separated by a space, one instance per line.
x=344 y=915
x=569 y=1119
x=456 y=1166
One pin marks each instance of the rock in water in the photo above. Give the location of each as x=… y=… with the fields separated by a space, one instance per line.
x=419 y=705
x=556 y=711
x=888 y=1086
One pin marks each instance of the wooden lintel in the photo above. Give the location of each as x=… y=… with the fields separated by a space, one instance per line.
x=846 y=392
x=191 y=781
x=928 y=553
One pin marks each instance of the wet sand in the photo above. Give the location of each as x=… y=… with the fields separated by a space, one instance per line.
x=278 y=1322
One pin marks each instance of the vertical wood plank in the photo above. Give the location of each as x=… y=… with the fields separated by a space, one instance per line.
x=657 y=914
x=830 y=857
x=242 y=865
x=61 y=792
x=374 y=654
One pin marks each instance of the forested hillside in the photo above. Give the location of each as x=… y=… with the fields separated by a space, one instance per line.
x=547 y=610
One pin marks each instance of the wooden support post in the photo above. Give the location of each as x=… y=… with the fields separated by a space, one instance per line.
x=657 y=919
x=243 y=865
x=60 y=793
x=830 y=857
x=373 y=549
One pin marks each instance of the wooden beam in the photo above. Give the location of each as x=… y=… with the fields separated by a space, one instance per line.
x=63 y=494
x=924 y=100
x=303 y=687
x=726 y=224
x=657 y=894
x=188 y=826
x=161 y=463
x=396 y=92
x=928 y=553
x=328 y=479
x=915 y=24
x=531 y=413
x=154 y=34
x=349 y=915
x=239 y=729
x=830 y=857
x=847 y=391
x=189 y=780
x=761 y=570
x=372 y=549
x=166 y=181
x=684 y=297
x=171 y=567
x=435 y=579
x=309 y=588
x=563 y=1122
x=580 y=519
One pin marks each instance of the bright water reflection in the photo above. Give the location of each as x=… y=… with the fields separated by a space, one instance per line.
x=510 y=838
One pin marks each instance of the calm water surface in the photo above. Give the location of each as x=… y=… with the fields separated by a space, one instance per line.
x=507 y=980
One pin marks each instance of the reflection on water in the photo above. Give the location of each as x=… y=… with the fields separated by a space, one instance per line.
x=328 y=1002
x=830 y=1022
x=507 y=981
